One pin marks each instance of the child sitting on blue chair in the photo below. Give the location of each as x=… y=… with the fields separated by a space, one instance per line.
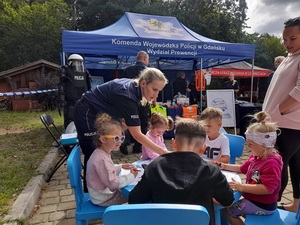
x=262 y=169
x=217 y=144
x=103 y=180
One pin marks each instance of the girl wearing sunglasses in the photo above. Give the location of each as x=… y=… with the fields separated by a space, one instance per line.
x=102 y=178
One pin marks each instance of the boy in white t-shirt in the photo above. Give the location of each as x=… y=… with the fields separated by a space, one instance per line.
x=217 y=144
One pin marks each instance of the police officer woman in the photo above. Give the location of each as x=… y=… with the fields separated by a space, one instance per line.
x=120 y=99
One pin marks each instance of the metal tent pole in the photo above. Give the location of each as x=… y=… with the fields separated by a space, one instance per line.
x=252 y=75
x=201 y=84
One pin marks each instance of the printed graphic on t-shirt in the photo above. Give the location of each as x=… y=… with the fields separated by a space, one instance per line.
x=255 y=178
x=212 y=153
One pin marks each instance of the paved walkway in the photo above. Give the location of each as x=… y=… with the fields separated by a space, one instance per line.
x=57 y=205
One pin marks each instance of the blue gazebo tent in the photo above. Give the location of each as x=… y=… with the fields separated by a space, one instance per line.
x=170 y=45
x=168 y=42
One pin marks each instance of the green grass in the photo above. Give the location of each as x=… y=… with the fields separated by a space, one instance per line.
x=24 y=142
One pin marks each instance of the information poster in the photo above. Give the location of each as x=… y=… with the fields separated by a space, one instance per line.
x=224 y=100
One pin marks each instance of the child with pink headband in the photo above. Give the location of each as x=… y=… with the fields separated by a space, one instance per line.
x=262 y=170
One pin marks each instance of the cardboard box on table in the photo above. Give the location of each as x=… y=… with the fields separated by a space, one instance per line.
x=190 y=111
x=181 y=111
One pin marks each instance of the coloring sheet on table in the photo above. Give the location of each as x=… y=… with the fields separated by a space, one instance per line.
x=137 y=178
x=138 y=165
x=229 y=175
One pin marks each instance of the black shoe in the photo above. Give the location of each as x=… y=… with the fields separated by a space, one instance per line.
x=136 y=148
x=123 y=149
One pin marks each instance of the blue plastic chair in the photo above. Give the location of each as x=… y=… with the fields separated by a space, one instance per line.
x=236 y=145
x=156 y=214
x=280 y=217
x=85 y=209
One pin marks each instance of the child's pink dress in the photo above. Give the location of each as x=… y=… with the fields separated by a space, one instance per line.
x=148 y=153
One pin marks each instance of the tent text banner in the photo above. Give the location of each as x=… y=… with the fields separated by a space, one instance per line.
x=239 y=73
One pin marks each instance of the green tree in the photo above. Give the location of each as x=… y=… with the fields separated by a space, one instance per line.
x=96 y=14
x=272 y=46
x=44 y=81
x=31 y=29
x=267 y=47
x=29 y=32
x=217 y=19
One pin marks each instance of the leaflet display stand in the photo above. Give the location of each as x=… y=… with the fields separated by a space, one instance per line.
x=224 y=100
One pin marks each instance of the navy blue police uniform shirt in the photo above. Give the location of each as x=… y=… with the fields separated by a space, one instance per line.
x=119 y=98
x=134 y=71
